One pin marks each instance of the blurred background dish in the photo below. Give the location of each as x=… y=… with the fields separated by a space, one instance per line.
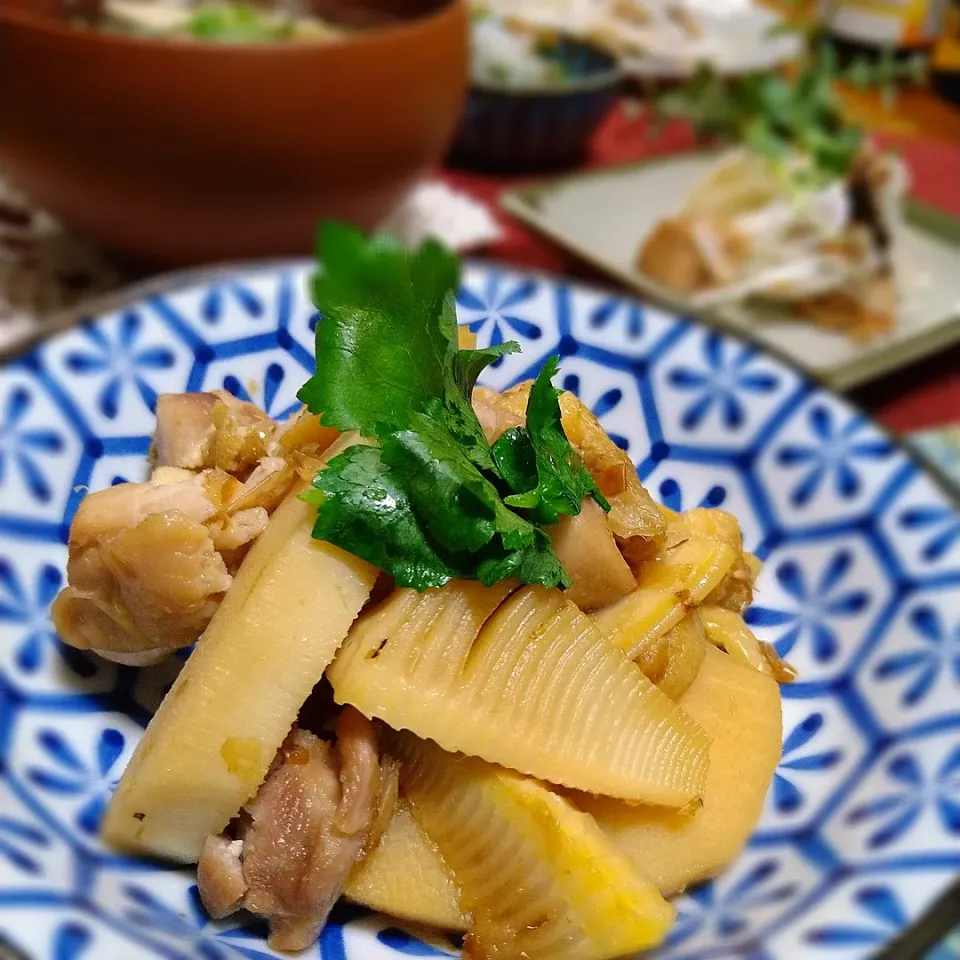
x=733 y=37
x=179 y=151
x=665 y=39
x=536 y=97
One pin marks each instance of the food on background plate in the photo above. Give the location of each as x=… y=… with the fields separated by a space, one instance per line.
x=749 y=230
x=802 y=210
x=676 y=32
x=451 y=661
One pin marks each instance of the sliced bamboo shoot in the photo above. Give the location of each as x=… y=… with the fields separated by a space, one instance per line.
x=674 y=659
x=404 y=876
x=666 y=590
x=533 y=686
x=735 y=591
x=208 y=748
x=740 y=709
x=726 y=630
x=537 y=876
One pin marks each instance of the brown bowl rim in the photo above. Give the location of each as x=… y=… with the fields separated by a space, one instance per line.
x=449 y=9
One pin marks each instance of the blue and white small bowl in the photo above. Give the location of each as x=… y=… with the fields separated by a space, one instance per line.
x=520 y=125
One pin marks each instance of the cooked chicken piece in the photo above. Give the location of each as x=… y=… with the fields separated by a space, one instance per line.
x=170 y=474
x=486 y=407
x=634 y=518
x=214 y=475
x=287 y=856
x=243 y=432
x=137 y=593
x=123 y=506
x=671 y=256
x=302 y=431
x=240 y=529
x=150 y=562
x=359 y=771
x=201 y=430
x=498 y=412
x=185 y=432
x=220 y=875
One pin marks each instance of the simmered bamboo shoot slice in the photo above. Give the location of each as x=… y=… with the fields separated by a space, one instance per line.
x=666 y=590
x=208 y=748
x=673 y=660
x=740 y=709
x=404 y=876
x=726 y=630
x=735 y=591
x=533 y=686
x=537 y=876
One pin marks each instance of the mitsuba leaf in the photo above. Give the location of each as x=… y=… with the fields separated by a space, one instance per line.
x=462 y=509
x=469 y=364
x=381 y=346
x=427 y=503
x=561 y=479
x=363 y=509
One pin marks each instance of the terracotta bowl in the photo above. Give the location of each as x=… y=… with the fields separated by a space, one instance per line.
x=178 y=153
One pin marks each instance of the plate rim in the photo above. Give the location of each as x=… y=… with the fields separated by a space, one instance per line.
x=522 y=202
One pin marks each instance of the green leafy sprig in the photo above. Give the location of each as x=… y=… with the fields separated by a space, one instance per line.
x=781 y=118
x=429 y=500
x=236 y=23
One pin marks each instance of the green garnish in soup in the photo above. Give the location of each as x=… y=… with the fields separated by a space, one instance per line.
x=215 y=21
x=237 y=23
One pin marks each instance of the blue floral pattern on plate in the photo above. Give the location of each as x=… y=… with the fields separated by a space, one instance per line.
x=862 y=826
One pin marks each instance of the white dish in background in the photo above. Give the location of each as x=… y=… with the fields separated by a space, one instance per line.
x=734 y=35
x=736 y=39
x=603 y=217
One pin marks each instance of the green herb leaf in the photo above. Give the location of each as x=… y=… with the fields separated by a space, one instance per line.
x=388 y=324
x=363 y=509
x=236 y=23
x=469 y=364
x=559 y=481
x=427 y=503
x=780 y=118
x=516 y=460
x=534 y=564
x=462 y=367
x=461 y=508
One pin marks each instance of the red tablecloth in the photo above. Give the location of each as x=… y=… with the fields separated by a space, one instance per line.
x=926 y=394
